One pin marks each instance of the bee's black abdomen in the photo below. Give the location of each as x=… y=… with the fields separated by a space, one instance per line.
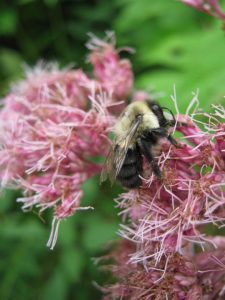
x=132 y=182
x=128 y=171
x=131 y=157
x=131 y=169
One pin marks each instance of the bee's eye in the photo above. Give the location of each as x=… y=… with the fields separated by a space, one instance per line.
x=155 y=107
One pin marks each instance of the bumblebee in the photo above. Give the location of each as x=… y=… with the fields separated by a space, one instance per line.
x=139 y=128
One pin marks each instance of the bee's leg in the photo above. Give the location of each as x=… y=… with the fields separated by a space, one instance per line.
x=158 y=132
x=145 y=149
x=172 y=140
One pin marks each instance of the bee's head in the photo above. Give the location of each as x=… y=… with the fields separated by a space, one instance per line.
x=164 y=114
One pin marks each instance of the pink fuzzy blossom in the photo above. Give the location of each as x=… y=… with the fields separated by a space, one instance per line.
x=165 y=219
x=107 y=64
x=52 y=125
x=175 y=277
x=211 y=7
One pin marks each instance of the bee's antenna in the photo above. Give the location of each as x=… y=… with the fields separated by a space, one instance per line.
x=174 y=120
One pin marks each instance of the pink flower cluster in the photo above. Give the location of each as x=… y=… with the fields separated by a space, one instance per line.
x=196 y=277
x=210 y=7
x=166 y=220
x=54 y=123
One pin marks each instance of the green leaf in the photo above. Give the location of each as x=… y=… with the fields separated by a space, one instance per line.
x=67 y=232
x=199 y=65
x=98 y=231
x=56 y=287
x=8 y=21
x=6 y=199
x=72 y=263
x=51 y=2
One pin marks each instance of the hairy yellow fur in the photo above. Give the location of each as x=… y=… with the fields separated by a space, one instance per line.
x=149 y=120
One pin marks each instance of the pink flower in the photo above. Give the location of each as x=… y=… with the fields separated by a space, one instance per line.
x=114 y=75
x=181 y=277
x=166 y=218
x=210 y=7
x=151 y=282
x=53 y=124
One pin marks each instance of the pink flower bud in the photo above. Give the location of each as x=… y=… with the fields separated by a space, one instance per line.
x=113 y=74
x=210 y=7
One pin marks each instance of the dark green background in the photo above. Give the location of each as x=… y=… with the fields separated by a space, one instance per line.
x=174 y=45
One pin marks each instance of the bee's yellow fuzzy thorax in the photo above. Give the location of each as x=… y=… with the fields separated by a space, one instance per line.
x=149 y=120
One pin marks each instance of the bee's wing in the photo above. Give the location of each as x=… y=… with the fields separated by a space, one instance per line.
x=107 y=168
x=117 y=154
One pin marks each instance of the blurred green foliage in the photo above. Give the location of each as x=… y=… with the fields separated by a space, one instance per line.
x=174 y=45
x=29 y=270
